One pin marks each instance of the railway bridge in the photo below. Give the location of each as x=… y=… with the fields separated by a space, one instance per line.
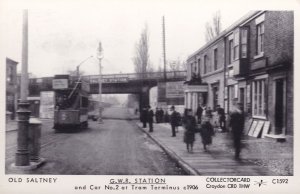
x=128 y=83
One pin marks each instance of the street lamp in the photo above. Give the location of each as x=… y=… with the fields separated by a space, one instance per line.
x=22 y=154
x=77 y=67
x=100 y=57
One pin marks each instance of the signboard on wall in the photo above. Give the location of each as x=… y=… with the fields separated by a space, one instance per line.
x=47 y=105
x=174 y=90
x=161 y=92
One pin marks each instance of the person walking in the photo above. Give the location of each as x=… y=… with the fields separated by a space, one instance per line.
x=208 y=113
x=150 y=118
x=189 y=124
x=144 y=117
x=167 y=117
x=222 y=118
x=173 y=121
x=206 y=132
x=199 y=114
x=161 y=115
x=237 y=126
x=157 y=116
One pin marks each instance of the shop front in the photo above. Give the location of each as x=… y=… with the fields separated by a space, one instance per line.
x=195 y=95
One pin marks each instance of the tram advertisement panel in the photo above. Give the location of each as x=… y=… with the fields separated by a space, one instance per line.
x=47 y=105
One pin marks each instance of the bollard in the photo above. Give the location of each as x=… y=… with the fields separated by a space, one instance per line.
x=34 y=136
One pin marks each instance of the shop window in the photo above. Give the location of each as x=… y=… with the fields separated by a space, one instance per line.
x=258 y=98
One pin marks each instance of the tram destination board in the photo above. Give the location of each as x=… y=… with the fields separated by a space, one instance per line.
x=60 y=83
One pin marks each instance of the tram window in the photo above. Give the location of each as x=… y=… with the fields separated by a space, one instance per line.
x=84 y=102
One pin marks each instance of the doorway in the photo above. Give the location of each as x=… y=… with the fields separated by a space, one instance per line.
x=242 y=98
x=279 y=106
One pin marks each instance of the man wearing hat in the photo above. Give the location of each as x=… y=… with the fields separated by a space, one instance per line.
x=174 y=120
x=150 y=118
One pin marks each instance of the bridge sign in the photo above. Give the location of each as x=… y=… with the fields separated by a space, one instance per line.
x=115 y=79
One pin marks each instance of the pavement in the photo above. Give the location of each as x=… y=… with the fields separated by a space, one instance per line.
x=11 y=125
x=260 y=157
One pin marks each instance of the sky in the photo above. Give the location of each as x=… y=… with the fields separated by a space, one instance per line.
x=62 y=37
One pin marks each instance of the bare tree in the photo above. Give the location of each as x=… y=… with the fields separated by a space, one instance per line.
x=213 y=28
x=176 y=65
x=141 y=58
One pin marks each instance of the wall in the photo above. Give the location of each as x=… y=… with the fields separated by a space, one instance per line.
x=279 y=44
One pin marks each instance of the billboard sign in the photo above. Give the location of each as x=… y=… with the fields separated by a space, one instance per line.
x=174 y=89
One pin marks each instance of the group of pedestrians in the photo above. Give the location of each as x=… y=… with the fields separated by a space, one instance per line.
x=201 y=123
x=206 y=130
x=146 y=116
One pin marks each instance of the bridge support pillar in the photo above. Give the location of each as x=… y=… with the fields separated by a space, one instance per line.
x=144 y=97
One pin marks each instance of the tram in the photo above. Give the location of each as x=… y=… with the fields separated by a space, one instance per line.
x=71 y=103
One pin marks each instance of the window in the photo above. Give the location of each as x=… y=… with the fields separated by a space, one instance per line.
x=230 y=51
x=205 y=64
x=230 y=72
x=258 y=98
x=260 y=30
x=244 y=41
x=216 y=59
x=215 y=90
x=236 y=45
x=195 y=69
x=10 y=74
x=199 y=67
x=189 y=71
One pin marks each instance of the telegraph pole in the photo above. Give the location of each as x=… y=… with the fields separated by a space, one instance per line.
x=22 y=154
x=164 y=47
x=100 y=57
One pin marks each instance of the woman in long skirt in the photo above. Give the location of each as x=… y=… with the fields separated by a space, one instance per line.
x=206 y=132
x=190 y=128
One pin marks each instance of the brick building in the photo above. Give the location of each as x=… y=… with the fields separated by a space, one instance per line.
x=205 y=81
x=257 y=57
x=11 y=88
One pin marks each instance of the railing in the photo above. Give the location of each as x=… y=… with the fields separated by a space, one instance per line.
x=116 y=78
